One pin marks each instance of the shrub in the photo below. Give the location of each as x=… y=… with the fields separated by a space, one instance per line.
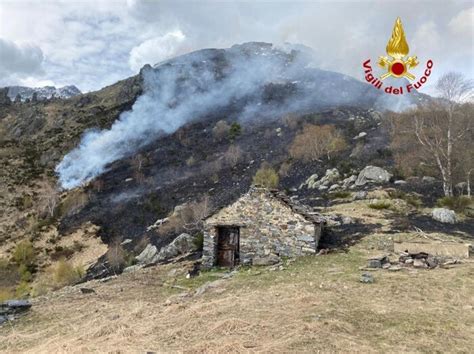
x=339 y=195
x=24 y=254
x=116 y=256
x=23 y=290
x=380 y=204
x=411 y=199
x=458 y=204
x=199 y=241
x=64 y=273
x=284 y=170
x=233 y=155
x=220 y=130
x=316 y=141
x=6 y=294
x=24 y=273
x=266 y=177
x=190 y=161
x=235 y=130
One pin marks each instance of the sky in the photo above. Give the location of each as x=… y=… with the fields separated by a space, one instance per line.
x=92 y=44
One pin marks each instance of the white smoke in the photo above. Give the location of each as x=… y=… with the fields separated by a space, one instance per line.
x=176 y=92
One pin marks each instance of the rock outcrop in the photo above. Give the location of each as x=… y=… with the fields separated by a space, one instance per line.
x=372 y=174
x=182 y=244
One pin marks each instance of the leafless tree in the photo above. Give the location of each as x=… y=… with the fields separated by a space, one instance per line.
x=49 y=198
x=440 y=130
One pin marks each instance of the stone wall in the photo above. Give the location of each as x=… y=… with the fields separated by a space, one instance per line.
x=268 y=227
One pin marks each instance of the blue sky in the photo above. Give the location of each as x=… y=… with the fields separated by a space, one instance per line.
x=92 y=44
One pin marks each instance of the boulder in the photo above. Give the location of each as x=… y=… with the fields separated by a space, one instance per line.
x=182 y=244
x=333 y=187
x=372 y=174
x=444 y=215
x=148 y=254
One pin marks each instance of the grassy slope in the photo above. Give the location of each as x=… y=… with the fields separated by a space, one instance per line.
x=315 y=303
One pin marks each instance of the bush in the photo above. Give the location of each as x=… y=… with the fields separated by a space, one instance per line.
x=220 y=130
x=24 y=273
x=233 y=155
x=412 y=200
x=23 y=290
x=199 y=241
x=235 y=130
x=64 y=273
x=24 y=254
x=458 y=204
x=380 y=204
x=266 y=177
x=339 y=195
x=315 y=142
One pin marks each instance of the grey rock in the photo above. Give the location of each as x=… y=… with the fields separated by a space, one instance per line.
x=400 y=182
x=148 y=254
x=444 y=215
x=418 y=263
x=133 y=268
x=182 y=244
x=348 y=181
x=360 y=135
x=428 y=179
x=372 y=174
x=360 y=195
x=3 y=319
x=394 y=268
x=333 y=187
x=367 y=278
x=347 y=220
x=374 y=263
x=431 y=262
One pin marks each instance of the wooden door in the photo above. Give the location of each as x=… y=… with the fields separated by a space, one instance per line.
x=228 y=246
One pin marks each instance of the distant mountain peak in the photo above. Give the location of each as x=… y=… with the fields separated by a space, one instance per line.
x=42 y=93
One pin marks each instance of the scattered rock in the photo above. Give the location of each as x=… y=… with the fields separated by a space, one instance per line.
x=428 y=179
x=400 y=181
x=444 y=215
x=372 y=174
x=348 y=181
x=347 y=220
x=418 y=263
x=394 y=268
x=366 y=278
x=378 y=262
x=333 y=187
x=87 y=291
x=360 y=195
x=12 y=309
x=361 y=135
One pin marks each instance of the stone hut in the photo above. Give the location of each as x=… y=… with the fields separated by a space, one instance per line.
x=259 y=228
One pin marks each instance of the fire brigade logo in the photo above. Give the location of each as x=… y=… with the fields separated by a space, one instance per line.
x=397 y=49
x=397 y=64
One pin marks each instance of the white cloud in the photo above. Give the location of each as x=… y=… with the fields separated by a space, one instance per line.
x=157 y=49
x=91 y=43
x=462 y=23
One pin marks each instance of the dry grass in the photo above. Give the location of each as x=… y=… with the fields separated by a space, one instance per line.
x=315 y=304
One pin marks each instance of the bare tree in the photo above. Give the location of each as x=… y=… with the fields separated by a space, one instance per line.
x=440 y=130
x=49 y=198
